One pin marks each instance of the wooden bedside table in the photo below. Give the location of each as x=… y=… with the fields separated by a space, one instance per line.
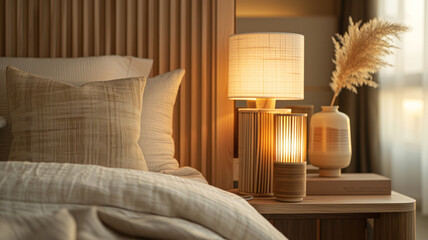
x=342 y=217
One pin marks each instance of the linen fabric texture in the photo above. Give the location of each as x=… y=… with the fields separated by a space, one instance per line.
x=159 y=97
x=75 y=71
x=96 y=123
x=134 y=203
x=156 y=139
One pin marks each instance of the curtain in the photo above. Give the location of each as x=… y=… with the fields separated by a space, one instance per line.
x=403 y=97
x=362 y=108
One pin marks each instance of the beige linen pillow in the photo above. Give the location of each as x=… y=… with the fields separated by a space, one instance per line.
x=96 y=123
x=156 y=140
x=75 y=71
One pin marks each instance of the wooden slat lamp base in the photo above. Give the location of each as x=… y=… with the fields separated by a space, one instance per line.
x=256 y=156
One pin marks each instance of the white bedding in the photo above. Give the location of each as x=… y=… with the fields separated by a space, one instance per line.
x=128 y=203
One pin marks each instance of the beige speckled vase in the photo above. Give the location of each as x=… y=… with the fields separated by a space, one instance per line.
x=330 y=141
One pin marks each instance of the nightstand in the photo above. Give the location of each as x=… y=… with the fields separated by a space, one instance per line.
x=342 y=217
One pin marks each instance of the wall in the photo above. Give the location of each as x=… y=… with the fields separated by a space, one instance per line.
x=316 y=20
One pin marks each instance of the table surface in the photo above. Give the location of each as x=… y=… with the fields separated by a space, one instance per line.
x=395 y=202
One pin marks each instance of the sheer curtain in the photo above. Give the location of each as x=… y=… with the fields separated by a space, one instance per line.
x=404 y=102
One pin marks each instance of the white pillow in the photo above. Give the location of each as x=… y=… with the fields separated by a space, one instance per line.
x=70 y=70
x=156 y=140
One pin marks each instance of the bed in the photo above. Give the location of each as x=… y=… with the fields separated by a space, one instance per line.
x=119 y=126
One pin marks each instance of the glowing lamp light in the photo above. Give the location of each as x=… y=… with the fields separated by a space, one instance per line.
x=289 y=168
x=265 y=67
x=290 y=137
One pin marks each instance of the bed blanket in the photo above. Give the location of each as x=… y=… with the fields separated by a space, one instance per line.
x=70 y=201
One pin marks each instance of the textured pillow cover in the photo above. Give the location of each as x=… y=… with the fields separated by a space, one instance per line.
x=75 y=71
x=160 y=94
x=156 y=140
x=95 y=123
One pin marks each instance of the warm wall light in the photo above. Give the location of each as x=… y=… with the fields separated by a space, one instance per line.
x=289 y=170
x=266 y=67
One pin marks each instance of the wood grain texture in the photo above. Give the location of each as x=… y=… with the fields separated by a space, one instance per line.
x=256 y=151
x=395 y=226
x=189 y=34
x=223 y=109
x=265 y=103
x=337 y=229
x=297 y=229
x=396 y=202
x=289 y=181
x=343 y=217
x=321 y=216
x=348 y=184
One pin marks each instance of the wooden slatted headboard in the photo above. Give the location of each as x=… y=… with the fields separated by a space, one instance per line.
x=189 y=34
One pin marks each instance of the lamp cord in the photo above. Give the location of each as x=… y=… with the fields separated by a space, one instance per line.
x=247 y=197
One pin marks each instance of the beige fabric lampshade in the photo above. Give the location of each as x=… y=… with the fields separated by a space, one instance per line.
x=266 y=65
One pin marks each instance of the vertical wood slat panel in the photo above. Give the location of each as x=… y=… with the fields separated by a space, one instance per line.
x=75 y=29
x=302 y=229
x=10 y=26
x=65 y=16
x=205 y=83
x=224 y=20
x=101 y=43
x=50 y=18
x=175 y=33
x=33 y=34
x=395 y=226
x=142 y=25
x=22 y=27
x=44 y=28
x=131 y=24
x=2 y=29
x=97 y=27
x=164 y=53
x=195 y=93
x=55 y=37
x=335 y=229
x=184 y=88
x=175 y=64
x=109 y=43
x=120 y=27
x=88 y=28
x=140 y=31
x=153 y=33
x=213 y=111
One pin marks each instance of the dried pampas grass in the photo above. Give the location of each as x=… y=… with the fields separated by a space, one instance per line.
x=359 y=52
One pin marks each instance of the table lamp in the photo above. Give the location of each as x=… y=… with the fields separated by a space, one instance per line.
x=263 y=67
x=289 y=169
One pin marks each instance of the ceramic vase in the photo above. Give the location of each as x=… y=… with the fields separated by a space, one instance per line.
x=330 y=141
